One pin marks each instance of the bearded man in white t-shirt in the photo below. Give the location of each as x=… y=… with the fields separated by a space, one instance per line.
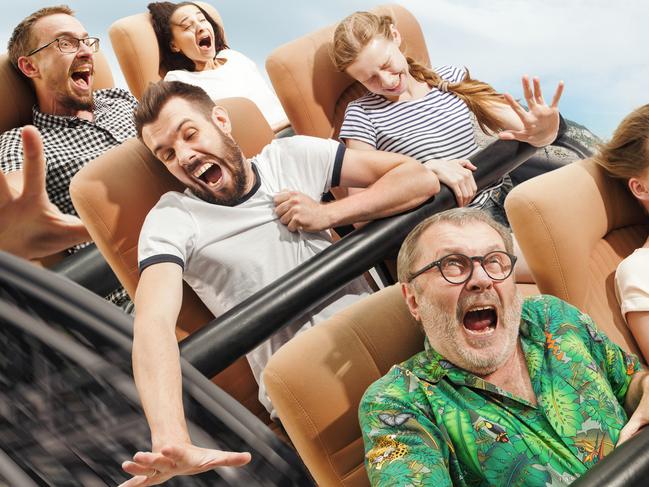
x=240 y=225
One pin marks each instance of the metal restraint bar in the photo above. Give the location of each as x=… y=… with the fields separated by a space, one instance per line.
x=241 y=329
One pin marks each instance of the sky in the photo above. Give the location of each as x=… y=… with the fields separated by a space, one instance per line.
x=598 y=48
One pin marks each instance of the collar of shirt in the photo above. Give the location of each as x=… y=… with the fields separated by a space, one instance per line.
x=431 y=367
x=47 y=120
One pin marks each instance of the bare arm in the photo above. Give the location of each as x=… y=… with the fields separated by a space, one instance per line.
x=30 y=225
x=156 y=367
x=636 y=405
x=394 y=183
x=638 y=322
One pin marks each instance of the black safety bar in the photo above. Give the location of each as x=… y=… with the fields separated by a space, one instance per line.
x=626 y=466
x=88 y=268
x=241 y=329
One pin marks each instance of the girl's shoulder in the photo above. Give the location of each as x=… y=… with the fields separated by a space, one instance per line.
x=452 y=74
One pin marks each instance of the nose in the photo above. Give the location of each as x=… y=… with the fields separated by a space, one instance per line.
x=479 y=280
x=186 y=156
x=84 y=51
x=387 y=79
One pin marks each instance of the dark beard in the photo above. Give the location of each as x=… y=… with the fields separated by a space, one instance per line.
x=235 y=161
x=73 y=105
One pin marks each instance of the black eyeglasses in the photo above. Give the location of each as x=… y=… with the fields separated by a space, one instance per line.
x=458 y=268
x=69 y=45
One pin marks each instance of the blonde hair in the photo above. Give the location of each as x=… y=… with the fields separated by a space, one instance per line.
x=358 y=29
x=626 y=155
x=410 y=249
x=22 y=40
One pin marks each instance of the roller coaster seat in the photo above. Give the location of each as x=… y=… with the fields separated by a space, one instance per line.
x=574 y=226
x=136 y=48
x=17 y=98
x=316 y=381
x=312 y=91
x=113 y=195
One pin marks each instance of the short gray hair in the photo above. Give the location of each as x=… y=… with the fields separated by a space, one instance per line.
x=410 y=251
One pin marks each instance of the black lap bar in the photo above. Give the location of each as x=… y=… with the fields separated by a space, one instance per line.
x=248 y=324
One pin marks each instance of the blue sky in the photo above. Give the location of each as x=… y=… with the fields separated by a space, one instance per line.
x=597 y=47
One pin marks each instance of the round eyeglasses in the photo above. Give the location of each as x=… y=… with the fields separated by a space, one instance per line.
x=69 y=45
x=458 y=268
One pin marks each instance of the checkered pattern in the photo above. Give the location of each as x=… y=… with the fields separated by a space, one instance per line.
x=70 y=142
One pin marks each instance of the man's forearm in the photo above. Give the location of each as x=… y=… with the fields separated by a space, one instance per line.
x=156 y=368
x=637 y=388
x=402 y=188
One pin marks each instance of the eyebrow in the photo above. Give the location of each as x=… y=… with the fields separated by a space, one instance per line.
x=158 y=147
x=456 y=250
x=67 y=33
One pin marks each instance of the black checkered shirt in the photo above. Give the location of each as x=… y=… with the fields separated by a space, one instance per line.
x=71 y=142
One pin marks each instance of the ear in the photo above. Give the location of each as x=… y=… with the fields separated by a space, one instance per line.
x=639 y=189
x=221 y=119
x=173 y=47
x=396 y=36
x=411 y=300
x=27 y=67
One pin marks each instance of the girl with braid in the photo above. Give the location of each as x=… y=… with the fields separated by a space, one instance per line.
x=427 y=114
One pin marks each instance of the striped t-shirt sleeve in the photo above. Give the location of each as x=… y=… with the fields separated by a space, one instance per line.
x=452 y=74
x=357 y=125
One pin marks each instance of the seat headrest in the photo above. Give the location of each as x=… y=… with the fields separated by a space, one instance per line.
x=137 y=51
x=313 y=92
x=17 y=94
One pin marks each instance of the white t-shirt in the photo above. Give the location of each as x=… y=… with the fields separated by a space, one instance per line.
x=435 y=126
x=229 y=253
x=632 y=282
x=238 y=77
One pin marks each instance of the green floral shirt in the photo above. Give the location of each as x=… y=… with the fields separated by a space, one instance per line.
x=427 y=422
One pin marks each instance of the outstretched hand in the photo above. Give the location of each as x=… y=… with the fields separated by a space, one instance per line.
x=540 y=121
x=150 y=468
x=30 y=225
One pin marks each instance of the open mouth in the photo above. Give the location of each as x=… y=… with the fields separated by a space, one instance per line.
x=205 y=42
x=480 y=320
x=209 y=173
x=81 y=77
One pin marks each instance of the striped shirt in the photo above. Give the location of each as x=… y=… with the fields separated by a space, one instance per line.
x=436 y=126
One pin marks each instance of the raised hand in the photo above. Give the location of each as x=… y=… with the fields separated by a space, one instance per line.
x=457 y=174
x=30 y=225
x=540 y=123
x=300 y=212
x=150 y=468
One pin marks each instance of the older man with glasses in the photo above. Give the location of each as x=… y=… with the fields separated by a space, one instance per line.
x=54 y=52
x=507 y=391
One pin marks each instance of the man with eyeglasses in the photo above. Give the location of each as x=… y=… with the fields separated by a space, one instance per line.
x=55 y=53
x=507 y=391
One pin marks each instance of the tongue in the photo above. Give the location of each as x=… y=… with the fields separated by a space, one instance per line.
x=213 y=174
x=479 y=320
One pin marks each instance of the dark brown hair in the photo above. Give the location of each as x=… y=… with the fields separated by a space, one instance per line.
x=21 y=41
x=158 y=94
x=161 y=13
x=358 y=29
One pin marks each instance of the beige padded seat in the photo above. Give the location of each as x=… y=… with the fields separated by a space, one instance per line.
x=317 y=379
x=113 y=195
x=136 y=48
x=17 y=98
x=575 y=225
x=313 y=93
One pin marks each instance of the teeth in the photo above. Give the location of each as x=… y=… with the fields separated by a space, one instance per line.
x=199 y=172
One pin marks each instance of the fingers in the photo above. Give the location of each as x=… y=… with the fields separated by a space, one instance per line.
x=33 y=162
x=5 y=191
x=281 y=197
x=518 y=109
x=538 y=95
x=527 y=91
x=557 y=95
x=215 y=458
x=138 y=469
x=138 y=481
x=627 y=432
